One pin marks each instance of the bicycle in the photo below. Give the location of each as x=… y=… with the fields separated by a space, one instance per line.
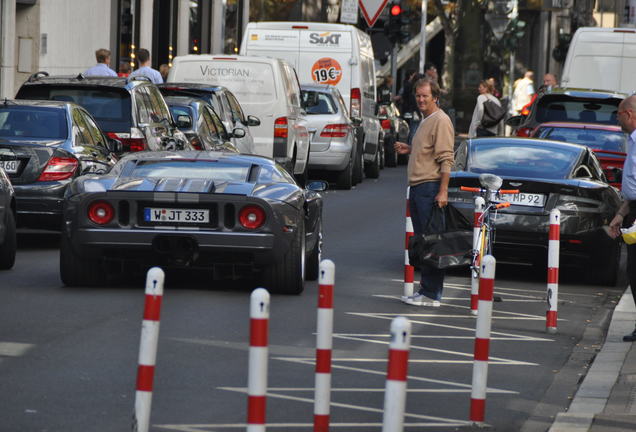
x=492 y=196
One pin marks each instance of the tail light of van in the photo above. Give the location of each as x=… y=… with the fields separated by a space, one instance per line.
x=356 y=103
x=386 y=124
x=281 y=133
x=59 y=168
x=337 y=130
x=132 y=142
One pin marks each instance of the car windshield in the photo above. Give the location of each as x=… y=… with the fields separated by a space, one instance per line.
x=567 y=108
x=324 y=104
x=109 y=106
x=593 y=138
x=521 y=160
x=191 y=169
x=33 y=122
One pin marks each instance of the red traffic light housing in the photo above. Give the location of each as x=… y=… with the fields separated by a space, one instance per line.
x=396 y=10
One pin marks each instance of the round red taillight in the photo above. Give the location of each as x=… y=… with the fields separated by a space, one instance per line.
x=252 y=217
x=101 y=212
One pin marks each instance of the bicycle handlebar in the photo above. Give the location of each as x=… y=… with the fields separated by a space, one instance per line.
x=479 y=190
x=469 y=189
x=509 y=191
x=502 y=205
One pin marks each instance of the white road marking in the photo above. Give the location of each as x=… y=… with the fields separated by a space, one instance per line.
x=205 y=427
x=354 y=407
x=14 y=349
x=383 y=373
x=390 y=316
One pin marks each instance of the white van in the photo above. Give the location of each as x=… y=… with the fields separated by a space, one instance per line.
x=322 y=53
x=266 y=88
x=601 y=58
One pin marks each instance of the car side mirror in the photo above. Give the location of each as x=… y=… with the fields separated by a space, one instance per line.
x=238 y=133
x=114 y=146
x=515 y=121
x=184 y=122
x=317 y=186
x=253 y=121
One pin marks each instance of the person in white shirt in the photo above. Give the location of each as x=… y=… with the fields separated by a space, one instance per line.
x=476 y=129
x=523 y=91
x=143 y=57
x=102 y=56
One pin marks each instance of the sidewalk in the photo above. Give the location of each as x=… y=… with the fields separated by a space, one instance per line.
x=606 y=400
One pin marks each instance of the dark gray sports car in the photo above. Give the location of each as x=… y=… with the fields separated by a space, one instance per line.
x=549 y=175
x=238 y=215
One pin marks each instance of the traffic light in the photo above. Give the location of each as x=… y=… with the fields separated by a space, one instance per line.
x=397 y=27
x=514 y=32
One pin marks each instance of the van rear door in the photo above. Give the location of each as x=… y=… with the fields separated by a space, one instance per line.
x=325 y=59
x=282 y=44
x=627 y=84
x=594 y=60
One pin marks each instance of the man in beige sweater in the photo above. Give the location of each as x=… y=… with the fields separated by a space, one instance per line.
x=430 y=163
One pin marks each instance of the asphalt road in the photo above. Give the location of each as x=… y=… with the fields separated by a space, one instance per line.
x=68 y=356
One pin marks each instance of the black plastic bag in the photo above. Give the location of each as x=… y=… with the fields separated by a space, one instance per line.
x=493 y=114
x=448 y=242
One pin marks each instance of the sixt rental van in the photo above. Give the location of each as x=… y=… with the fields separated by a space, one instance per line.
x=322 y=53
x=266 y=88
x=602 y=59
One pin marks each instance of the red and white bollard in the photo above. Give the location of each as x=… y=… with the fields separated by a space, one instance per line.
x=257 y=375
x=474 y=273
x=324 y=337
x=409 y=270
x=148 y=349
x=395 y=392
x=554 y=238
x=482 y=340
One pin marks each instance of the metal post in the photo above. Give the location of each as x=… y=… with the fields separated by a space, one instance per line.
x=554 y=237
x=324 y=337
x=409 y=270
x=257 y=373
x=395 y=392
x=394 y=54
x=148 y=349
x=423 y=34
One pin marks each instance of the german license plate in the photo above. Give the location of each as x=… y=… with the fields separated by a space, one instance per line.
x=526 y=199
x=10 y=166
x=160 y=214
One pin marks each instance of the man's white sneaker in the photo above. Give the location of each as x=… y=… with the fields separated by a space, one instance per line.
x=418 y=299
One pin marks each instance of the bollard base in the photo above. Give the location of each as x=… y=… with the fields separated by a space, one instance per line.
x=551 y=330
x=475 y=426
x=473 y=312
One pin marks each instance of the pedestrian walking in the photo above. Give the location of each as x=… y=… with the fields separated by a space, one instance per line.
x=626 y=214
x=143 y=57
x=102 y=67
x=477 y=129
x=428 y=171
x=124 y=69
x=163 y=70
x=522 y=93
x=384 y=90
x=409 y=105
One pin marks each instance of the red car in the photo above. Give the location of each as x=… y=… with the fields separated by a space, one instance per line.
x=608 y=142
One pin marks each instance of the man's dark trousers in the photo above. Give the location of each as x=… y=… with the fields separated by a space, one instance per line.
x=421 y=201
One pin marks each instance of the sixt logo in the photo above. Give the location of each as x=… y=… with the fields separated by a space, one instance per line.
x=325 y=38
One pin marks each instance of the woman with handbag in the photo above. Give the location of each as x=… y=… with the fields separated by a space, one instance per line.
x=485 y=114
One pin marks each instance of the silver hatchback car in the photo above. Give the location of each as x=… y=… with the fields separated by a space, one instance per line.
x=331 y=133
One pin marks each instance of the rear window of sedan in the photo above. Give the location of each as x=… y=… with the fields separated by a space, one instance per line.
x=33 y=122
x=593 y=138
x=111 y=107
x=523 y=160
x=566 y=108
x=325 y=103
x=190 y=169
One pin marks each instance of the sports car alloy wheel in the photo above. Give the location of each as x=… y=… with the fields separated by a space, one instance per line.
x=76 y=270
x=312 y=269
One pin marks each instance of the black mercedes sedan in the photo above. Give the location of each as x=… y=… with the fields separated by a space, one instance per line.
x=43 y=146
x=234 y=214
x=549 y=175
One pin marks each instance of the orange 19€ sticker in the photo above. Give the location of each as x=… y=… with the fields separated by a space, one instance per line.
x=326 y=71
